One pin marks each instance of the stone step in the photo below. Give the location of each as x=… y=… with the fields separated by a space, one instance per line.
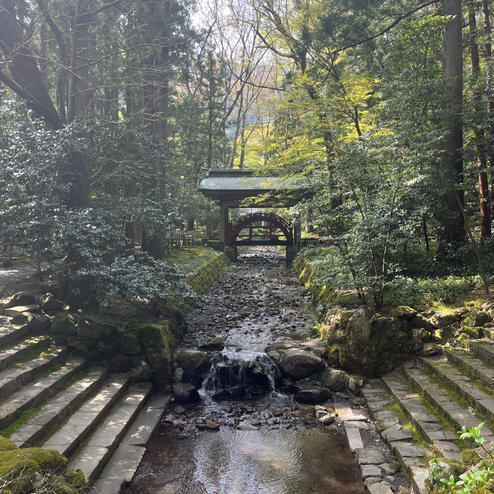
x=37 y=391
x=445 y=404
x=124 y=462
x=426 y=422
x=10 y=333
x=471 y=364
x=17 y=351
x=462 y=384
x=58 y=408
x=484 y=349
x=87 y=417
x=411 y=455
x=22 y=373
x=19 y=309
x=95 y=453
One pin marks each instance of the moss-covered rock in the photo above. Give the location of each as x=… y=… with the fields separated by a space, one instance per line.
x=158 y=344
x=6 y=444
x=64 y=324
x=23 y=465
x=130 y=343
x=372 y=344
x=403 y=312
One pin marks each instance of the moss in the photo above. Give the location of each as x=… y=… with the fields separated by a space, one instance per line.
x=158 y=343
x=22 y=465
x=204 y=276
x=23 y=418
x=75 y=478
x=395 y=408
x=6 y=444
x=470 y=456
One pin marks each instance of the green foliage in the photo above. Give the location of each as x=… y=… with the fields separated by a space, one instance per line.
x=477 y=480
x=101 y=257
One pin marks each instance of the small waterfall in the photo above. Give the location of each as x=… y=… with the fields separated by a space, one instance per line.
x=240 y=375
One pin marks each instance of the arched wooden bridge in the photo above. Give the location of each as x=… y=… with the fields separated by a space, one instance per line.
x=262 y=229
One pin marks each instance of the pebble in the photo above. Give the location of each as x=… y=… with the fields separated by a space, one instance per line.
x=209 y=424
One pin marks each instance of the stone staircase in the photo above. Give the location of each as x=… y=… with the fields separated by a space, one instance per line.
x=101 y=422
x=419 y=408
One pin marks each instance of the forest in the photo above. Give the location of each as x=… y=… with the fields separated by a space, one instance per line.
x=112 y=110
x=368 y=366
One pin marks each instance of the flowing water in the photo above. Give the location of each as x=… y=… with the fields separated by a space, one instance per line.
x=266 y=443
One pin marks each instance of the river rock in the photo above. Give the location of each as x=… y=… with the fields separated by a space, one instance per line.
x=312 y=393
x=214 y=344
x=297 y=363
x=244 y=426
x=209 y=424
x=195 y=364
x=334 y=379
x=50 y=304
x=327 y=419
x=64 y=324
x=185 y=392
x=21 y=298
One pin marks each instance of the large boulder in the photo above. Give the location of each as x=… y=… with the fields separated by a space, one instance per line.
x=50 y=304
x=334 y=379
x=130 y=343
x=21 y=298
x=158 y=344
x=296 y=362
x=374 y=344
x=195 y=364
x=64 y=324
x=311 y=392
x=185 y=392
x=96 y=327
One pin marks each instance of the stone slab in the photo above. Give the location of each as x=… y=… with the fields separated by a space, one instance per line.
x=379 y=488
x=396 y=433
x=119 y=470
x=88 y=460
x=369 y=456
x=407 y=449
x=147 y=421
x=10 y=333
x=345 y=412
x=385 y=419
x=14 y=311
x=354 y=437
x=370 y=471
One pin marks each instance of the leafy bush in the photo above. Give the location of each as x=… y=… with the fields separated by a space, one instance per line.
x=101 y=259
x=476 y=480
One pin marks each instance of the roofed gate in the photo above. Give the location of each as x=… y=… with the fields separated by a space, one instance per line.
x=238 y=188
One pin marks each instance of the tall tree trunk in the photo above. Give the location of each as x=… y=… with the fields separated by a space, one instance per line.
x=485 y=212
x=79 y=76
x=490 y=89
x=453 y=226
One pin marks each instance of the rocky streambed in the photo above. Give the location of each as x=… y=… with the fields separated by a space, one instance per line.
x=254 y=397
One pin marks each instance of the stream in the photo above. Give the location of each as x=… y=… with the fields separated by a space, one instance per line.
x=247 y=435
